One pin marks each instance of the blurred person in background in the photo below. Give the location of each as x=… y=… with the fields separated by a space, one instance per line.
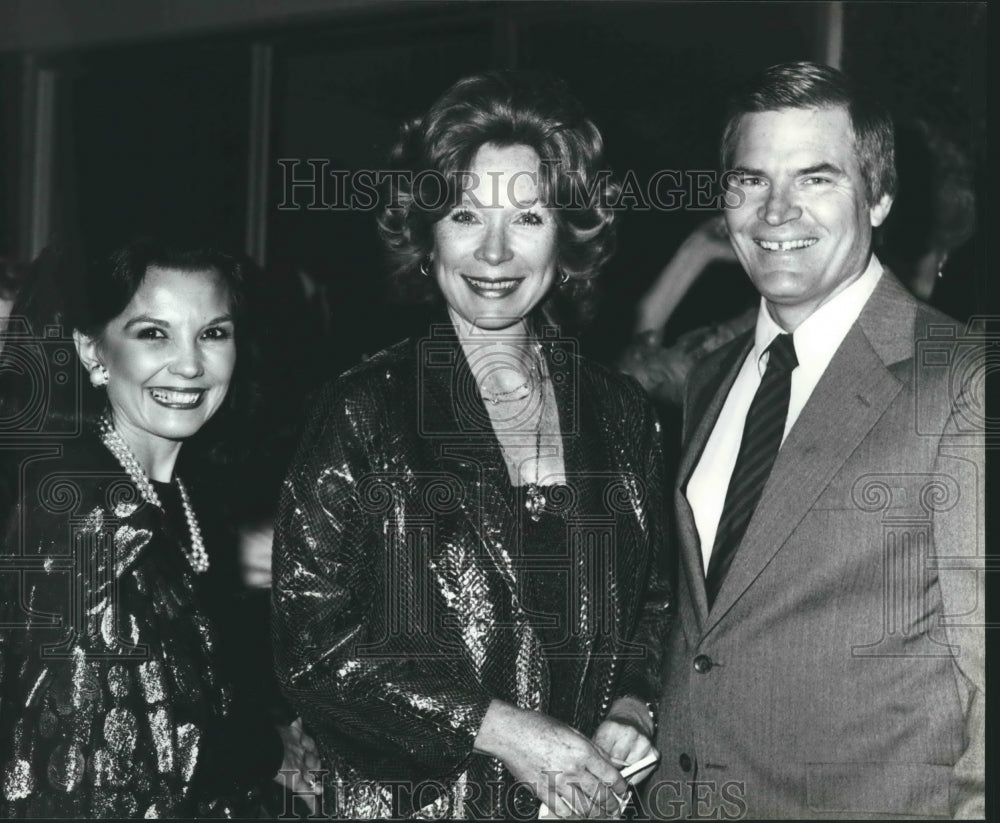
x=933 y=216
x=12 y=275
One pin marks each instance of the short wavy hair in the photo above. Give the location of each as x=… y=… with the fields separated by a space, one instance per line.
x=66 y=292
x=806 y=85
x=109 y=283
x=502 y=108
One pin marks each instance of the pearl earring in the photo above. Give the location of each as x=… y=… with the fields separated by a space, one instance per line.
x=99 y=376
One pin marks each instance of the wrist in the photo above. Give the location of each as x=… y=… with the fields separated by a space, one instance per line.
x=495 y=730
x=635 y=712
x=694 y=254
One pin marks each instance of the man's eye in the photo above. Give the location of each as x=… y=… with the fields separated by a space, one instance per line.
x=749 y=180
x=530 y=218
x=816 y=181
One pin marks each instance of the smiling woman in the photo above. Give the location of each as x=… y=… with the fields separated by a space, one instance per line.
x=495 y=254
x=166 y=360
x=469 y=587
x=114 y=700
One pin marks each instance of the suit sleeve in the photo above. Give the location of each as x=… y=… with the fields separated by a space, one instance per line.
x=346 y=652
x=959 y=546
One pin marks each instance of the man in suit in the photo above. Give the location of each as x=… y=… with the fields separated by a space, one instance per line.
x=828 y=656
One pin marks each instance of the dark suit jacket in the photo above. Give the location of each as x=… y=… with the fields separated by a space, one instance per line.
x=840 y=671
x=398 y=595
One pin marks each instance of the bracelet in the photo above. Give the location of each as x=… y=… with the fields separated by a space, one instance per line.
x=649 y=337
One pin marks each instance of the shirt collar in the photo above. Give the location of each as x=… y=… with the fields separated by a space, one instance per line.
x=825 y=329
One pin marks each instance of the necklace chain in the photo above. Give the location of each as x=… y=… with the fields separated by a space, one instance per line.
x=534 y=496
x=115 y=443
x=535 y=500
x=522 y=390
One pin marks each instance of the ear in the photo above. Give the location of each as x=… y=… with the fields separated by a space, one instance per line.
x=86 y=349
x=880 y=210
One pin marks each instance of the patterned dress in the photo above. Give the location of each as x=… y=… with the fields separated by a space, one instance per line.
x=111 y=697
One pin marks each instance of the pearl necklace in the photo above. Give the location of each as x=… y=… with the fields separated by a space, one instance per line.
x=115 y=443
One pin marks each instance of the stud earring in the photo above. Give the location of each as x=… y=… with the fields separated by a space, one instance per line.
x=99 y=376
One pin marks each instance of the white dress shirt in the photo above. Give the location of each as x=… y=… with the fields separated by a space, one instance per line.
x=816 y=341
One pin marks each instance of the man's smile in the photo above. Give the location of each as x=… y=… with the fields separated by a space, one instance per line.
x=786 y=245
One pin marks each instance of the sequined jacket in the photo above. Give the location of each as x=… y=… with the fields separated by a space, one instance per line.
x=397 y=608
x=111 y=704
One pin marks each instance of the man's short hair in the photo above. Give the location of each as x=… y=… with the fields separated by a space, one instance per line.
x=808 y=85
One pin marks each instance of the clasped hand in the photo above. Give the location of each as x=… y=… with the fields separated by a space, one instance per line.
x=624 y=736
x=568 y=772
x=299 y=764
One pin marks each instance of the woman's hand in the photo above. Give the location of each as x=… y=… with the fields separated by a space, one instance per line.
x=567 y=772
x=301 y=757
x=625 y=734
x=711 y=239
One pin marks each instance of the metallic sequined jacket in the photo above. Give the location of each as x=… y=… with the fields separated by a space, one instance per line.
x=397 y=608
x=109 y=686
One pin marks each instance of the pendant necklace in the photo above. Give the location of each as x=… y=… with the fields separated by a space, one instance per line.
x=115 y=443
x=535 y=500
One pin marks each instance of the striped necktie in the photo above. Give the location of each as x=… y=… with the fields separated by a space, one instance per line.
x=762 y=433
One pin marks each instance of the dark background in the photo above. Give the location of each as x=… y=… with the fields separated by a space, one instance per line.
x=152 y=130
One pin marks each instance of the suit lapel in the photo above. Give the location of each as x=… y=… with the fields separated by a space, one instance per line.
x=849 y=399
x=699 y=420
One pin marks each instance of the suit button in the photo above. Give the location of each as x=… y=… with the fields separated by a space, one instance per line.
x=685 y=761
x=703 y=664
